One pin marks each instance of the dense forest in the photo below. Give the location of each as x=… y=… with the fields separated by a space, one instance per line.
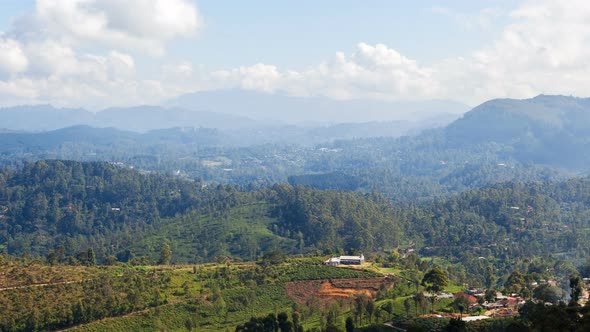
x=65 y=208
x=53 y=204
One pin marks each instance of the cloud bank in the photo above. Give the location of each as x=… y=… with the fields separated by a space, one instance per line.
x=84 y=53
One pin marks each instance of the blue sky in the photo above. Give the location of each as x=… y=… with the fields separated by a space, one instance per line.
x=102 y=53
x=297 y=33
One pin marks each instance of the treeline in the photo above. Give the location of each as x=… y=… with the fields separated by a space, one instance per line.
x=531 y=219
x=83 y=205
x=103 y=212
x=336 y=220
x=82 y=213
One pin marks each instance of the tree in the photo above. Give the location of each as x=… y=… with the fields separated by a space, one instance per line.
x=408 y=305
x=332 y=313
x=349 y=324
x=455 y=325
x=188 y=323
x=51 y=257
x=576 y=287
x=435 y=281
x=490 y=295
x=547 y=293
x=514 y=283
x=490 y=277
x=359 y=307
x=420 y=302
x=165 y=254
x=461 y=303
x=91 y=259
x=393 y=297
x=297 y=327
x=332 y=328
x=388 y=307
x=273 y=257
x=370 y=307
x=284 y=324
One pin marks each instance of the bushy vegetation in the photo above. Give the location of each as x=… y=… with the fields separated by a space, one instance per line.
x=58 y=304
x=63 y=209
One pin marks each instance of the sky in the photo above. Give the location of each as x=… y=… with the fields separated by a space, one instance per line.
x=103 y=53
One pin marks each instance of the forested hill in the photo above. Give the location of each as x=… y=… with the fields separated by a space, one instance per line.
x=68 y=208
x=552 y=130
x=502 y=140
x=121 y=213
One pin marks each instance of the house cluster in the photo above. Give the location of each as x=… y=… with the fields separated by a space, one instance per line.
x=504 y=306
x=501 y=306
x=345 y=260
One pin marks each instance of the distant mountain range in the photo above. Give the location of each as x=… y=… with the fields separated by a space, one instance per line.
x=314 y=110
x=23 y=141
x=141 y=118
x=235 y=109
x=548 y=130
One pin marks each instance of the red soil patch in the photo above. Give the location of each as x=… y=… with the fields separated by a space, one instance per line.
x=303 y=291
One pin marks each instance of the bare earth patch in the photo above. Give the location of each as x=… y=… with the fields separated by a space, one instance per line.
x=303 y=291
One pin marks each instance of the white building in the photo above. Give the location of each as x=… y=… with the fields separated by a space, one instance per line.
x=345 y=260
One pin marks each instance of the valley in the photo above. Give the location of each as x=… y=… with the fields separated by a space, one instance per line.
x=223 y=238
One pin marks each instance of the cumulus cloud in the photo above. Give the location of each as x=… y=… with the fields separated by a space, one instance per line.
x=544 y=49
x=12 y=58
x=139 y=25
x=41 y=58
x=370 y=72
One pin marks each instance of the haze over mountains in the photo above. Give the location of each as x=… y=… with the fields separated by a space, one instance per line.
x=235 y=109
x=316 y=110
x=542 y=127
x=547 y=131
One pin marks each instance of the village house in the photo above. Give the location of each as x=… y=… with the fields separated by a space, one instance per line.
x=470 y=298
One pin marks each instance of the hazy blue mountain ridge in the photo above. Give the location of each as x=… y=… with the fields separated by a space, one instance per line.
x=313 y=110
x=551 y=130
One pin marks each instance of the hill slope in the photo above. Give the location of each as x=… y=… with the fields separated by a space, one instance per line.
x=71 y=207
x=551 y=130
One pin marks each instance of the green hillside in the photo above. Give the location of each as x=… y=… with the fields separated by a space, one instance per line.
x=62 y=209
x=208 y=297
x=553 y=130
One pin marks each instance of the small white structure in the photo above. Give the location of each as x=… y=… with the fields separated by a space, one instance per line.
x=345 y=260
x=332 y=261
x=474 y=318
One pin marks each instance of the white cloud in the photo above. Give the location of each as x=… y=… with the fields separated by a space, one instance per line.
x=120 y=65
x=544 y=49
x=41 y=58
x=371 y=72
x=12 y=58
x=260 y=77
x=138 y=25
